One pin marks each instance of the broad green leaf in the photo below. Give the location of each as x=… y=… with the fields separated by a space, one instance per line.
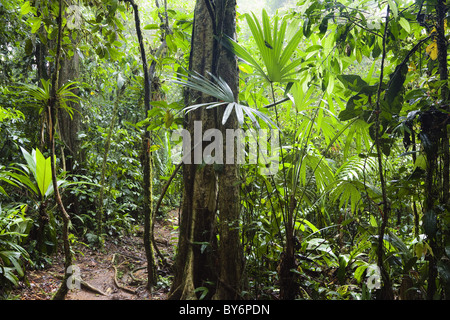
x=43 y=172
x=359 y=272
x=405 y=24
x=151 y=26
x=8 y=274
x=25 y=8
x=35 y=23
x=31 y=161
x=25 y=180
x=393 y=7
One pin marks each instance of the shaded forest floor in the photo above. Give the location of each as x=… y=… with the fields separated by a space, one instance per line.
x=118 y=270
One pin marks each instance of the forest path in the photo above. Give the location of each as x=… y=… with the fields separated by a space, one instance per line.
x=118 y=269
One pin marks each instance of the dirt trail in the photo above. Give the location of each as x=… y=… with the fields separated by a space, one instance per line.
x=109 y=269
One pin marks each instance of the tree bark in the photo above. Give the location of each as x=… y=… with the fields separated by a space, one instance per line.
x=51 y=113
x=230 y=251
x=203 y=262
x=147 y=165
x=69 y=126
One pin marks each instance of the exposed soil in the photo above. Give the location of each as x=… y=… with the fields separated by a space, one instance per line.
x=121 y=259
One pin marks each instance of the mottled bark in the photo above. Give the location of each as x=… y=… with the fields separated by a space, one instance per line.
x=68 y=127
x=202 y=260
x=230 y=252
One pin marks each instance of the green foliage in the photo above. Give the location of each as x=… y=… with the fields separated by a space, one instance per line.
x=41 y=95
x=314 y=71
x=271 y=47
x=39 y=168
x=14 y=227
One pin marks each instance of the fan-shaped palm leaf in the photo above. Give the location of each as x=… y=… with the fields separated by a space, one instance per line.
x=276 y=57
x=219 y=89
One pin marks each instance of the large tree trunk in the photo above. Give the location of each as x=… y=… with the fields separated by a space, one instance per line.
x=69 y=126
x=201 y=260
x=230 y=251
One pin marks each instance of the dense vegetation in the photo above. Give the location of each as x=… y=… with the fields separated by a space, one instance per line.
x=358 y=207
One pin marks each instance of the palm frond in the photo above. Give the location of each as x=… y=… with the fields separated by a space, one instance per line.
x=219 y=89
x=276 y=56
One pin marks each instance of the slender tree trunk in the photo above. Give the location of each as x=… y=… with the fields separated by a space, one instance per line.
x=386 y=292
x=52 y=115
x=147 y=165
x=288 y=279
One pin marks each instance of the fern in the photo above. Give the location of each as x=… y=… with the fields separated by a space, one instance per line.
x=358 y=137
x=350 y=182
x=356 y=168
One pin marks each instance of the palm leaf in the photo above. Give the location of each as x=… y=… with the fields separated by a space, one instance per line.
x=243 y=55
x=270 y=43
x=219 y=89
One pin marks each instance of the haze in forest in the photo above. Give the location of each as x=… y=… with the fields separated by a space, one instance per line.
x=245 y=6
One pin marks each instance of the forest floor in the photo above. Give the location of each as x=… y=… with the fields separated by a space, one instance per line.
x=115 y=272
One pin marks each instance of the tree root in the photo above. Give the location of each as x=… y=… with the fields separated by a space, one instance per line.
x=116 y=282
x=85 y=285
x=132 y=274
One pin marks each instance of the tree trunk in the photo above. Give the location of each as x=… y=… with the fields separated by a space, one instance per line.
x=51 y=113
x=69 y=126
x=204 y=264
x=147 y=165
x=230 y=251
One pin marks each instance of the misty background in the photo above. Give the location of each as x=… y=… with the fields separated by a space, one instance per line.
x=271 y=6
